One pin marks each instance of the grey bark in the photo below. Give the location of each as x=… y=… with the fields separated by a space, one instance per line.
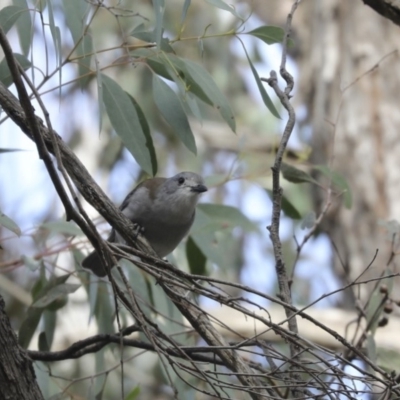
x=17 y=376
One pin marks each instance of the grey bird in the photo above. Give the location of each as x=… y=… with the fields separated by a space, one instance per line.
x=164 y=209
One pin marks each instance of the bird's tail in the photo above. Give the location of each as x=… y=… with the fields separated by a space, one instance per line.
x=94 y=263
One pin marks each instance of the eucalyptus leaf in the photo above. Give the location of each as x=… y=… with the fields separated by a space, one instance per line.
x=264 y=95
x=8 y=223
x=196 y=258
x=223 y=6
x=205 y=82
x=227 y=216
x=76 y=12
x=65 y=227
x=28 y=326
x=287 y=207
x=133 y=394
x=270 y=34
x=103 y=310
x=172 y=110
x=56 y=293
x=295 y=175
x=24 y=26
x=159 y=8
x=146 y=131
x=9 y=16
x=126 y=122
x=5 y=74
x=185 y=9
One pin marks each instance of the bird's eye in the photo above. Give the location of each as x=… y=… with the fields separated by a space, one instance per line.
x=181 y=180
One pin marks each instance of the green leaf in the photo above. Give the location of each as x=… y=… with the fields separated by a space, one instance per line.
x=55 y=293
x=287 y=207
x=212 y=232
x=141 y=33
x=227 y=217
x=201 y=80
x=9 y=224
x=185 y=9
x=223 y=6
x=266 y=99
x=295 y=175
x=371 y=348
x=133 y=394
x=339 y=182
x=103 y=310
x=146 y=131
x=270 y=34
x=9 y=16
x=56 y=36
x=172 y=110
x=196 y=258
x=198 y=81
x=76 y=12
x=50 y=323
x=5 y=74
x=28 y=326
x=159 y=8
x=125 y=121
x=24 y=26
x=65 y=227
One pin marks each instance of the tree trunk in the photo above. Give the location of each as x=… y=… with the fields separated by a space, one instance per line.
x=17 y=376
x=341 y=41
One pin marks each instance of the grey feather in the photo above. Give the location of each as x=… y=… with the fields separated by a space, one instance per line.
x=163 y=208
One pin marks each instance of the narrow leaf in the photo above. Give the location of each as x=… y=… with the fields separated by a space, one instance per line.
x=287 y=207
x=227 y=216
x=24 y=26
x=28 y=326
x=9 y=16
x=295 y=175
x=223 y=6
x=146 y=130
x=172 y=110
x=270 y=34
x=5 y=74
x=65 y=227
x=125 y=121
x=133 y=394
x=266 y=99
x=75 y=12
x=204 y=81
x=185 y=9
x=56 y=293
x=159 y=8
x=196 y=258
x=9 y=224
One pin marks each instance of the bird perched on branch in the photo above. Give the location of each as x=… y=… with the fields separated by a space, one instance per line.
x=164 y=209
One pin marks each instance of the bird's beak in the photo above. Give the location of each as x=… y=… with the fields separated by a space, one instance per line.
x=199 y=188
